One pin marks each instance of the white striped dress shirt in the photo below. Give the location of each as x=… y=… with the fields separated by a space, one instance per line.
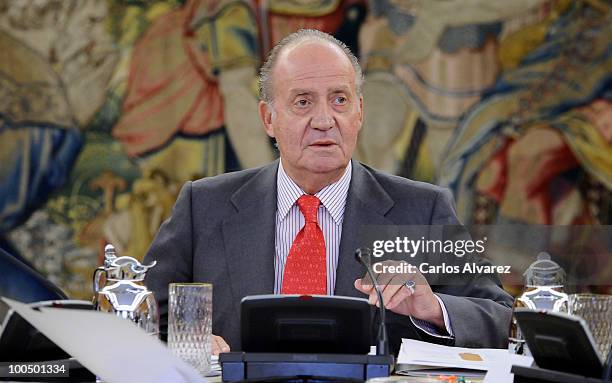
x=289 y=221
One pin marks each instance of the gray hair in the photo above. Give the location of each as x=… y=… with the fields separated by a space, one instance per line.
x=265 y=74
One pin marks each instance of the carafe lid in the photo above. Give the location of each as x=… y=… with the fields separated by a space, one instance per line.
x=544 y=272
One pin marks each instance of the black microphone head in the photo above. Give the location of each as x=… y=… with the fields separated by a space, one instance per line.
x=362 y=255
x=358 y=255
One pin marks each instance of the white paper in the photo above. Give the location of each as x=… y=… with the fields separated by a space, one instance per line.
x=110 y=347
x=499 y=375
x=415 y=355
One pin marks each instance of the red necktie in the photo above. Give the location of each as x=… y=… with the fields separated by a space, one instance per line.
x=305 y=269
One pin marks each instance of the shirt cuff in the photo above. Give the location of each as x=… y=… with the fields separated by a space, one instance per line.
x=430 y=328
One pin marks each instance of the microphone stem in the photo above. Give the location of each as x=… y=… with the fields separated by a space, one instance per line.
x=383 y=345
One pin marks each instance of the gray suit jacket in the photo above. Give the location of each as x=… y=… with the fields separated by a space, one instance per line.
x=222 y=231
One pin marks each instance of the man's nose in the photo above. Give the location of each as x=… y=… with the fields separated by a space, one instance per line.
x=323 y=119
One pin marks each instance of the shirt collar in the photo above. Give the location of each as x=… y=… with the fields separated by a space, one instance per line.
x=332 y=196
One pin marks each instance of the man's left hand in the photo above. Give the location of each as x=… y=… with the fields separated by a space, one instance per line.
x=219 y=345
x=419 y=302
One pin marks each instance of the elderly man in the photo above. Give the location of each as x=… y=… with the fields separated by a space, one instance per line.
x=291 y=227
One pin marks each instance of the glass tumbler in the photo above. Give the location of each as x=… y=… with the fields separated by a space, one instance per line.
x=596 y=310
x=190 y=323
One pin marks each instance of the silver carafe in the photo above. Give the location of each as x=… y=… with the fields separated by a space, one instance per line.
x=544 y=290
x=119 y=288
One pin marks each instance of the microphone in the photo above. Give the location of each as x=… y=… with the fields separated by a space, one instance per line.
x=382 y=347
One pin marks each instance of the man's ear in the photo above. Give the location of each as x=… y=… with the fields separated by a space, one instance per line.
x=360 y=112
x=265 y=114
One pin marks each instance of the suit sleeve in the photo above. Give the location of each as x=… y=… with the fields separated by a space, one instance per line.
x=172 y=249
x=478 y=308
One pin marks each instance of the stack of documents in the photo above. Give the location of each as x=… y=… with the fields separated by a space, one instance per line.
x=418 y=358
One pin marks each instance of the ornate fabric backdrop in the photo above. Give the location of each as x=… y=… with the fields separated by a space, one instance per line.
x=108 y=106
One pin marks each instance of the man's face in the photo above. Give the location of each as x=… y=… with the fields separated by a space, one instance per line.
x=316 y=111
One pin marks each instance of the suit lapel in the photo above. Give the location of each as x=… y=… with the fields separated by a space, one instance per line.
x=367 y=204
x=249 y=235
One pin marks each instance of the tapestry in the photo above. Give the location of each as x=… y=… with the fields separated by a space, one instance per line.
x=108 y=106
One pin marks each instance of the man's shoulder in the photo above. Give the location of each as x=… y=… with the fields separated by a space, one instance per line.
x=414 y=202
x=397 y=185
x=228 y=190
x=225 y=181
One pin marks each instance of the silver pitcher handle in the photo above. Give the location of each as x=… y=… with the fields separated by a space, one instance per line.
x=96 y=278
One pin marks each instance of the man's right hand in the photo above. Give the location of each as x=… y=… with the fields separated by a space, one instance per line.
x=219 y=345
x=420 y=303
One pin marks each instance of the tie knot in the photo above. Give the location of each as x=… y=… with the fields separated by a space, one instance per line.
x=309 y=206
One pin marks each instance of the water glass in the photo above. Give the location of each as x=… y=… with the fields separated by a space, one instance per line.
x=190 y=323
x=596 y=310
